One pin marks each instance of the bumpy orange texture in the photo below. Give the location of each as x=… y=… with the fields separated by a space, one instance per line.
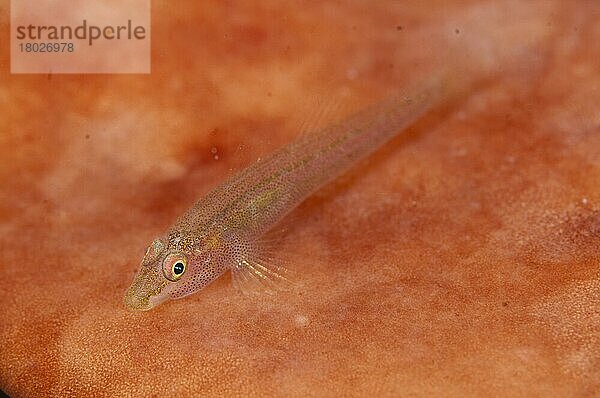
x=460 y=260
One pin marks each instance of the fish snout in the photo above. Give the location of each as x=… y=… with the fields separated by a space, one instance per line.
x=145 y=291
x=136 y=302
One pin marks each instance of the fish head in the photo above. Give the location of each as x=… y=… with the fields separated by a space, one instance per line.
x=148 y=288
x=169 y=270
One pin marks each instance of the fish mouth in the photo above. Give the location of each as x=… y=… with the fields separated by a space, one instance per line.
x=143 y=294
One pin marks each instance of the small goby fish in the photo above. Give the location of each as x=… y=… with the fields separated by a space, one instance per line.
x=222 y=231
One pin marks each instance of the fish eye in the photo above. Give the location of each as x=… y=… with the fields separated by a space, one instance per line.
x=174 y=267
x=178 y=268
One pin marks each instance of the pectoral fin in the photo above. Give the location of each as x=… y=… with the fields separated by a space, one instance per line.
x=255 y=269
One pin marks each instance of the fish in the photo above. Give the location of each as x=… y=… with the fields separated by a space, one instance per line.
x=227 y=230
x=224 y=231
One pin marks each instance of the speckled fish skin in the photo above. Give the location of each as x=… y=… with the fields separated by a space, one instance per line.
x=222 y=231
